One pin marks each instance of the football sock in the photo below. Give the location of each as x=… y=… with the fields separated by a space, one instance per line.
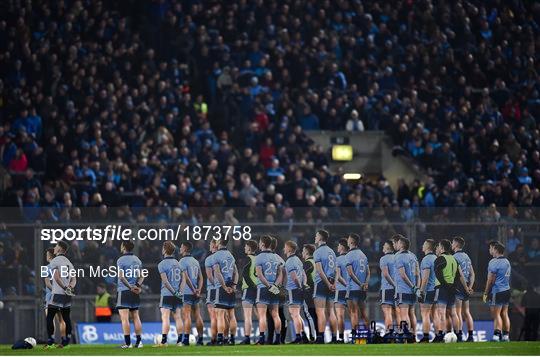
x=298 y=336
x=505 y=333
x=471 y=332
x=127 y=339
x=278 y=337
x=341 y=335
x=138 y=339
x=164 y=338
x=231 y=338
x=334 y=338
x=220 y=338
x=199 y=339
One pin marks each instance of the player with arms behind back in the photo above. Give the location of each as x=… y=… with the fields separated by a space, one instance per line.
x=59 y=321
x=462 y=297
x=358 y=269
x=193 y=283
x=497 y=291
x=128 y=288
x=388 y=286
x=407 y=272
x=249 y=289
x=427 y=286
x=171 y=296
x=324 y=291
x=225 y=279
x=342 y=283
x=269 y=276
x=61 y=293
x=295 y=284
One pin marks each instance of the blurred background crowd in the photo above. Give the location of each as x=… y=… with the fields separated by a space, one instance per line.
x=181 y=110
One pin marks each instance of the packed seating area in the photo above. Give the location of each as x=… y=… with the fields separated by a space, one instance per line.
x=205 y=105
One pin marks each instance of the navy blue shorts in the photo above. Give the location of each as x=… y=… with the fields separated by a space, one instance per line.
x=502 y=298
x=210 y=296
x=446 y=296
x=170 y=302
x=461 y=295
x=265 y=297
x=321 y=291
x=430 y=298
x=295 y=297
x=224 y=300
x=249 y=295
x=340 y=297
x=388 y=297
x=358 y=296
x=191 y=299
x=405 y=299
x=128 y=300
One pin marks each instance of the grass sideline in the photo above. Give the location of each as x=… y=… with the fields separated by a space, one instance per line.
x=478 y=349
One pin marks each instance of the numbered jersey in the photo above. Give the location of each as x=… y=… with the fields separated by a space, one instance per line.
x=408 y=262
x=130 y=265
x=357 y=260
x=270 y=264
x=501 y=268
x=191 y=267
x=171 y=268
x=464 y=263
x=225 y=261
x=326 y=256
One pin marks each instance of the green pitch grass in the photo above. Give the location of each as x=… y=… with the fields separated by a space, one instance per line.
x=479 y=348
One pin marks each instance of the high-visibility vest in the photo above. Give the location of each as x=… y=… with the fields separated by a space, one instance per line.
x=102 y=305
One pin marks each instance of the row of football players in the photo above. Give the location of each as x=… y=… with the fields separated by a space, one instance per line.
x=320 y=288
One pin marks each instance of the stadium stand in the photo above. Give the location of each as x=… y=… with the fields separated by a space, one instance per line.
x=192 y=104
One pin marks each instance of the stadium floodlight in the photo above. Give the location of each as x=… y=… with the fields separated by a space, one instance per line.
x=342 y=152
x=352 y=176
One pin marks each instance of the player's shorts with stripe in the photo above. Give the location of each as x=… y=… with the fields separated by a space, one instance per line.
x=210 y=296
x=502 y=298
x=340 y=297
x=249 y=295
x=446 y=296
x=405 y=299
x=358 y=296
x=224 y=300
x=388 y=297
x=170 y=302
x=321 y=291
x=295 y=297
x=60 y=301
x=191 y=299
x=461 y=295
x=430 y=298
x=127 y=299
x=265 y=297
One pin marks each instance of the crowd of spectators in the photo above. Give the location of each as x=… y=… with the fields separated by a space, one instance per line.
x=200 y=106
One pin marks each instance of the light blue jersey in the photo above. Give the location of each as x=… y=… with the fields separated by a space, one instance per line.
x=209 y=263
x=131 y=266
x=171 y=268
x=341 y=262
x=270 y=264
x=326 y=256
x=225 y=260
x=501 y=268
x=192 y=268
x=428 y=263
x=359 y=263
x=387 y=261
x=465 y=264
x=47 y=290
x=294 y=264
x=407 y=261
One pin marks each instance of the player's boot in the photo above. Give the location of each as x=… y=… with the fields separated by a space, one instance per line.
x=495 y=338
x=200 y=341
x=470 y=338
x=138 y=345
x=438 y=339
x=124 y=346
x=319 y=340
x=297 y=340
x=261 y=341
x=424 y=339
x=246 y=341
x=505 y=338
x=231 y=342
x=459 y=336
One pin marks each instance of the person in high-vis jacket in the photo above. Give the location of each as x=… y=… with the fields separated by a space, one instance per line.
x=102 y=304
x=249 y=289
x=447 y=273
